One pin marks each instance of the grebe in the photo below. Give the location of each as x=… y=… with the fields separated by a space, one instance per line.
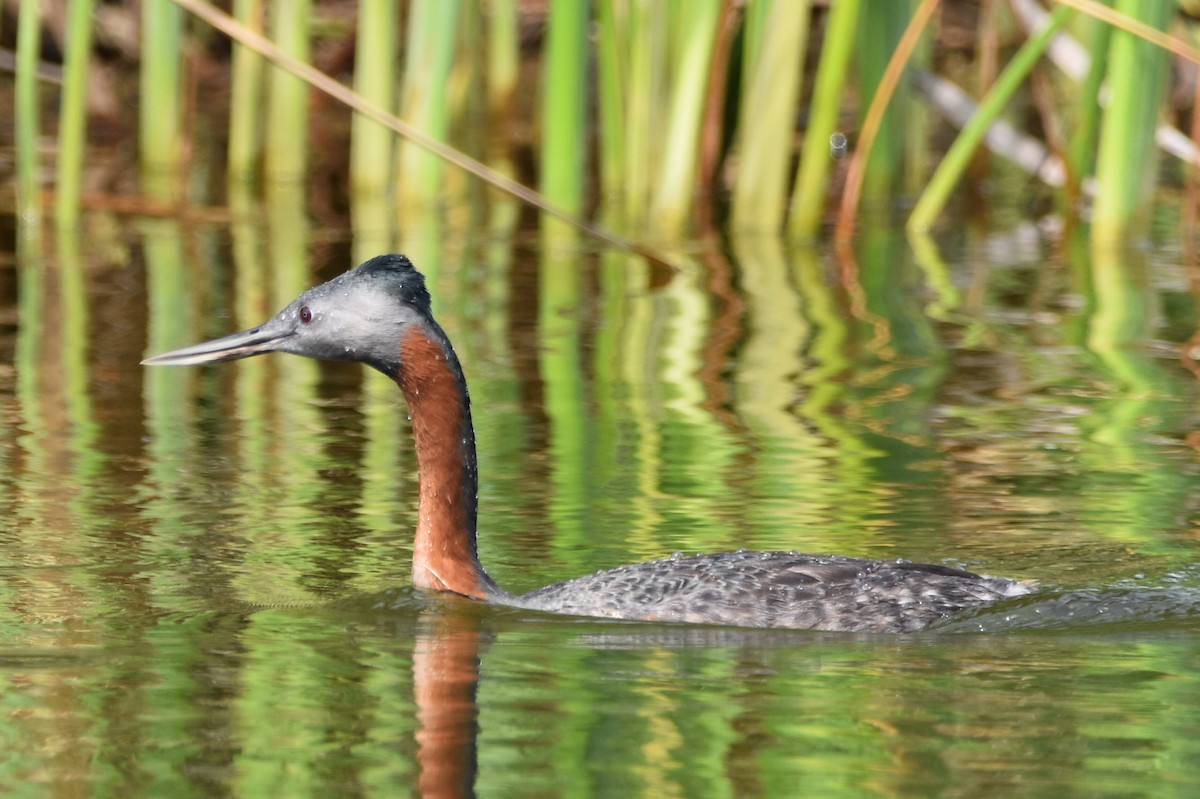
x=379 y=314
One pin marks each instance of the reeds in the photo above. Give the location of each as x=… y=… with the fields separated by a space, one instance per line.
x=287 y=103
x=429 y=55
x=246 y=95
x=955 y=162
x=72 y=118
x=1127 y=153
x=564 y=106
x=160 y=110
x=644 y=78
x=809 y=195
x=28 y=51
x=654 y=63
x=374 y=80
x=503 y=50
x=775 y=41
x=694 y=29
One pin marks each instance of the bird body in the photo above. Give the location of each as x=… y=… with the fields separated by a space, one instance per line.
x=776 y=589
x=379 y=314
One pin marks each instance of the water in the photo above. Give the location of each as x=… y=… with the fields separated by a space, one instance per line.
x=204 y=572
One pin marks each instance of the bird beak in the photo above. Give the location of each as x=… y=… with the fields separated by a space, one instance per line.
x=228 y=348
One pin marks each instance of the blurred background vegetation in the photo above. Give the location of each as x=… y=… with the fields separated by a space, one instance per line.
x=659 y=121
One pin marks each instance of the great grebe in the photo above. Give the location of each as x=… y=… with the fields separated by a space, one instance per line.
x=379 y=314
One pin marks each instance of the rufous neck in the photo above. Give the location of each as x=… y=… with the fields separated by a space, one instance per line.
x=444 y=551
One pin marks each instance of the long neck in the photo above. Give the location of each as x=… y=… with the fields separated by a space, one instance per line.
x=444 y=552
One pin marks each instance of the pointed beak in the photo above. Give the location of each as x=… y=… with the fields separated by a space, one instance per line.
x=255 y=341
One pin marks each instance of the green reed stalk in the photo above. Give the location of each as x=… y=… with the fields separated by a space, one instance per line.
x=72 y=123
x=26 y=97
x=1081 y=153
x=374 y=223
x=430 y=55
x=882 y=95
x=160 y=110
x=776 y=36
x=613 y=85
x=918 y=128
x=808 y=199
x=564 y=110
x=879 y=34
x=696 y=28
x=755 y=24
x=374 y=79
x=1120 y=297
x=287 y=107
x=504 y=52
x=467 y=110
x=246 y=94
x=958 y=157
x=1127 y=156
x=642 y=98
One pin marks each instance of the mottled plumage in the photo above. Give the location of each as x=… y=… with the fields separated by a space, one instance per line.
x=775 y=589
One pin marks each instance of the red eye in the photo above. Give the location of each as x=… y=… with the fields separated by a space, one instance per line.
x=305 y=314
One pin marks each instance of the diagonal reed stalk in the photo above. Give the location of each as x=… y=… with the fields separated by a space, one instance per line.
x=873 y=121
x=879 y=38
x=958 y=157
x=1122 y=17
x=650 y=71
x=322 y=82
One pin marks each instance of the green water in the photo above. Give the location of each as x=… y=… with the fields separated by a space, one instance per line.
x=204 y=581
